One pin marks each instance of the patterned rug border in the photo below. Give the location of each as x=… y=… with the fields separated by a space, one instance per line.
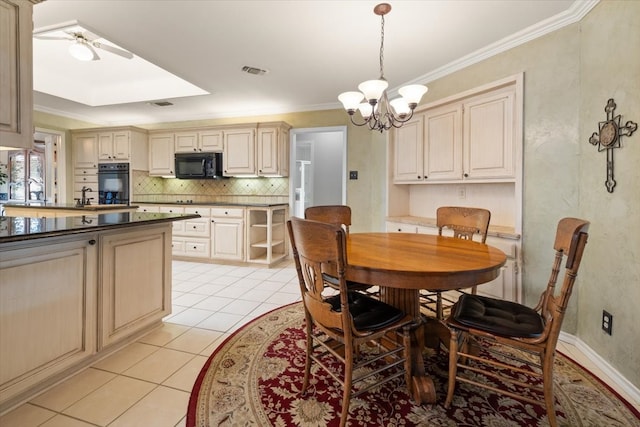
x=193 y=398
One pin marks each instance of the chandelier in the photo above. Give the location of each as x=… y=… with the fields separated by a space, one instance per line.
x=377 y=111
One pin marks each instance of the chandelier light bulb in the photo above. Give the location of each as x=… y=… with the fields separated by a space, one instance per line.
x=413 y=93
x=373 y=89
x=400 y=107
x=367 y=109
x=350 y=100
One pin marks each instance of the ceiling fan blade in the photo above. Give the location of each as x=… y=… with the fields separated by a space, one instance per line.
x=52 y=38
x=95 y=54
x=114 y=50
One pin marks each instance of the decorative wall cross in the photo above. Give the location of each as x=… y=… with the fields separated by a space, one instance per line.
x=609 y=136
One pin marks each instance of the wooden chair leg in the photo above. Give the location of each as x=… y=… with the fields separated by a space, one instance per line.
x=346 y=395
x=307 y=363
x=453 y=367
x=547 y=382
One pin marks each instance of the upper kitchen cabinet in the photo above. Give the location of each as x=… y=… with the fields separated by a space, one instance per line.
x=240 y=152
x=273 y=149
x=204 y=140
x=471 y=137
x=161 y=154
x=16 y=73
x=105 y=145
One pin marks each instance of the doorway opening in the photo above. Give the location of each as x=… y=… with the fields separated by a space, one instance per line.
x=318 y=168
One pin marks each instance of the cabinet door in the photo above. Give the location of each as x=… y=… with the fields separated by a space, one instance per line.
x=105 y=146
x=161 y=155
x=443 y=143
x=186 y=142
x=504 y=286
x=121 y=148
x=489 y=136
x=16 y=71
x=211 y=140
x=239 y=152
x=135 y=280
x=85 y=151
x=408 y=151
x=226 y=238
x=268 y=151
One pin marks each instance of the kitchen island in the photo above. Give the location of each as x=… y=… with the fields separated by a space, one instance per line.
x=74 y=289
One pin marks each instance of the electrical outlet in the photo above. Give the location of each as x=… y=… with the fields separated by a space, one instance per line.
x=353 y=174
x=607 y=321
x=462 y=192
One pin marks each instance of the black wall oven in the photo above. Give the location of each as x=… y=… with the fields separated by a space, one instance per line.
x=113 y=183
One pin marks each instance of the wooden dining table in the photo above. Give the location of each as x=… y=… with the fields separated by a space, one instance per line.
x=402 y=264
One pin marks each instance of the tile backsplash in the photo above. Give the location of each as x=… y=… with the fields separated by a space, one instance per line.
x=152 y=189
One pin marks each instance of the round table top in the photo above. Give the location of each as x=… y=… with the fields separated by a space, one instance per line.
x=420 y=261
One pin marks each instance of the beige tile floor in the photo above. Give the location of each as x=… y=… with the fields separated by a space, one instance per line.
x=147 y=383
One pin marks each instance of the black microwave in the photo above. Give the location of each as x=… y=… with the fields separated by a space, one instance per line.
x=199 y=165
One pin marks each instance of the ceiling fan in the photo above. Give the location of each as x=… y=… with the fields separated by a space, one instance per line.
x=84 y=43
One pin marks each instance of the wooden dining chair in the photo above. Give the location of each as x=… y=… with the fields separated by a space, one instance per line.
x=507 y=326
x=466 y=223
x=339 y=215
x=340 y=324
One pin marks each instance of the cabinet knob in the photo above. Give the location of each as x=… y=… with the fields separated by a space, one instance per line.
x=92 y=242
x=419 y=177
x=194 y=227
x=399 y=229
x=466 y=175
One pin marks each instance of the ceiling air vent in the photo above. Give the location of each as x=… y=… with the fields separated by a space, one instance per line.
x=254 y=70
x=160 y=103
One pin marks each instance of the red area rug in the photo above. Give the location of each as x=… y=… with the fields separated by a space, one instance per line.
x=255 y=377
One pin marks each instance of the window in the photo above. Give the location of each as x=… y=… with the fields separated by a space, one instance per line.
x=27 y=175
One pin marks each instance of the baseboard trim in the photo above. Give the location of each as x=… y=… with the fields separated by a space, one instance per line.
x=631 y=390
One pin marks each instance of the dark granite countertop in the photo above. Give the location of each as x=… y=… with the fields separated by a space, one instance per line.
x=213 y=204
x=15 y=229
x=68 y=206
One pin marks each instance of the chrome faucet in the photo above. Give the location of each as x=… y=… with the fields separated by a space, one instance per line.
x=84 y=200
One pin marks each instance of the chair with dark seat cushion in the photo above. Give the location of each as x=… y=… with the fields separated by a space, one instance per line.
x=466 y=223
x=339 y=215
x=505 y=325
x=340 y=325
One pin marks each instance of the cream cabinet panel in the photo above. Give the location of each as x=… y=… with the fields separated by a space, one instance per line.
x=85 y=150
x=16 y=71
x=227 y=236
x=186 y=142
x=148 y=208
x=443 y=143
x=273 y=149
x=48 y=320
x=239 y=152
x=136 y=281
x=211 y=140
x=489 y=136
x=408 y=151
x=114 y=146
x=398 y=227
x=161 y=154
x=502 y=287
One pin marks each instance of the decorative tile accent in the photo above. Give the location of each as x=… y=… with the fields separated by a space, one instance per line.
x=234 y=190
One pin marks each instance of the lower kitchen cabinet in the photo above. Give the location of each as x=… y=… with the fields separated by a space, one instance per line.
x=47 y=311
x=227 y=234
x=136 y=281
x=267 y=234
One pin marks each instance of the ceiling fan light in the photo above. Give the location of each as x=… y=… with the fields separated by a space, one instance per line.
x=81 y=51
x=350 y=100
x=413 y=93
x=373 y=89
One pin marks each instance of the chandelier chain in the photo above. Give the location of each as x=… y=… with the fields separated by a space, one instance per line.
x=382 y=49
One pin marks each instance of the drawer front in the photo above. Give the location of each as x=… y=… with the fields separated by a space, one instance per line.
x=199 y=227
x=153 y=209
x=171 y=209
x=397 y=227
x=203 y=212
x=177 y=246
x=197 y=248
x=227 y=212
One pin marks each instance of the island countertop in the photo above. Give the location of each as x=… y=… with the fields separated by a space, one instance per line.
x=70 y=206
x=15 y=229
